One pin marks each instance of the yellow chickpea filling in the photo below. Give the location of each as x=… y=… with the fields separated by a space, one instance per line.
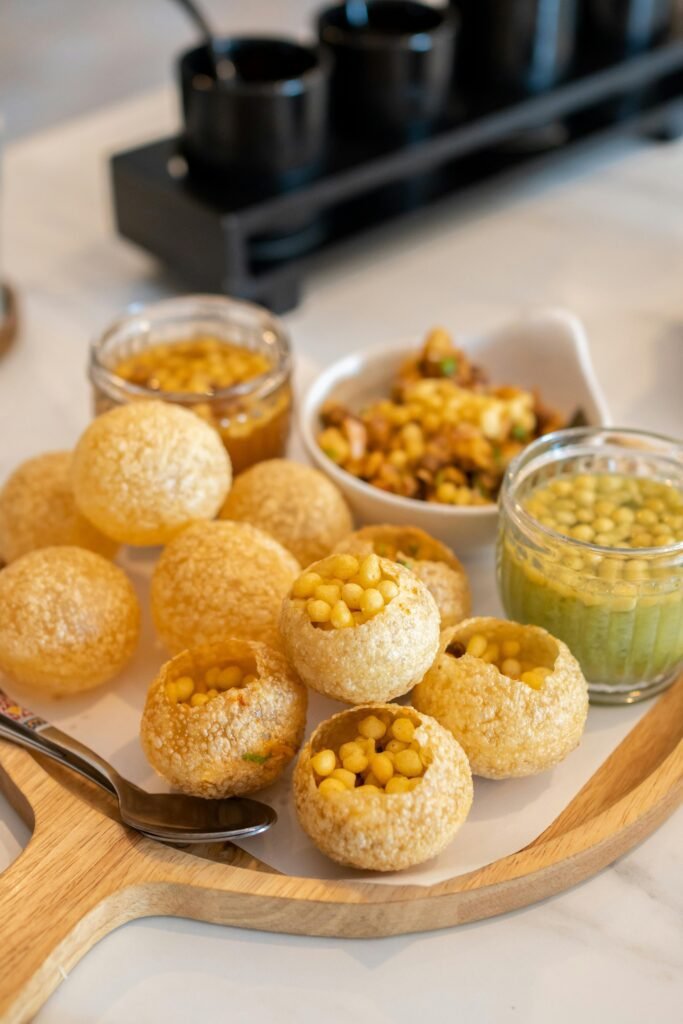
x=198 y=691
x=201 y=365
x=344 y=591
x=384 y=757
x=611 y=510
x=506 y=655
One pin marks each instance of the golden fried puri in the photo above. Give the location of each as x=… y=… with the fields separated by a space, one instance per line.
x=294 y=503
x=224 y=719
x=513 y=696
x=430 y=560
x=37 y=510
x=142 y=472
x=69 y=620
x=217 y=580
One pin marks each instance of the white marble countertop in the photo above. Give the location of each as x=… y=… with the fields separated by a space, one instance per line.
x=600 y=233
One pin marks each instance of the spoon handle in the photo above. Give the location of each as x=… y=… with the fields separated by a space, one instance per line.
x=29 y=730
x=7 y=733
x=197 y=15
x=222 y=65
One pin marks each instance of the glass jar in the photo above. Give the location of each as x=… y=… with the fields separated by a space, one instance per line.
x=618 y=609
x=253 y=416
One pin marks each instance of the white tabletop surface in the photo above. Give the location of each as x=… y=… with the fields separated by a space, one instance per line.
x=600 y=233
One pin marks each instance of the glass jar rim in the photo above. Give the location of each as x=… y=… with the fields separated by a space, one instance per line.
x=519 y=514
x=262 y=384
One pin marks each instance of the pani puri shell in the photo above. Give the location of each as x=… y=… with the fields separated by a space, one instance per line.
x=506 y=728
x=38 y=510
x=144 y=471
x=382 y=831
x=238 y=742
x=432 y=562
x=69 y=620
x=375 y=661
x=294 y=503
x=217 y=580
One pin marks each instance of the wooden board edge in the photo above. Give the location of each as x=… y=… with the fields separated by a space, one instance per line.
x=551 y=846
x=425 y=911
x=619 y=827
x=171 y=882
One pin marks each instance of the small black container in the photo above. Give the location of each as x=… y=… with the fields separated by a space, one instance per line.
x=623 y=28
x=515 y=48
x=264 y=129
x=393 y=66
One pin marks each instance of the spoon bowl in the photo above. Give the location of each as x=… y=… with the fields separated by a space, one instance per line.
x=177 y=817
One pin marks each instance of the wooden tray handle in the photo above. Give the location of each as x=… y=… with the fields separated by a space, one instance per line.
x=60 y=895
x=38 y=916
x=82 y=875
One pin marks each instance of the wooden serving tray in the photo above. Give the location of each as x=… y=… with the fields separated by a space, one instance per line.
x=83 y=873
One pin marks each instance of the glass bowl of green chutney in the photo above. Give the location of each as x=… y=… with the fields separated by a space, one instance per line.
x=590 y=547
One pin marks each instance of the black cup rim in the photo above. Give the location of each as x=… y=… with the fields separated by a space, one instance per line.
x=277 y=87
x=336 y=35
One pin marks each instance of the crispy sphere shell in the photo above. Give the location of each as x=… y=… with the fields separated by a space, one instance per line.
x=37 y=510
x=296 y=504
x=239 y=741
x=381 y=831
x=430 y=560
x=378 y=660
x=217 y=580
x=506 y=728
x=144 y=471
x=69 y=620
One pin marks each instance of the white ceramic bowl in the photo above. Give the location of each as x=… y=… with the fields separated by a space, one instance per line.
x=547 y=350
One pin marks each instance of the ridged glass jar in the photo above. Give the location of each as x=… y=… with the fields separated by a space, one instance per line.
x=252 y=417
x=618 y=609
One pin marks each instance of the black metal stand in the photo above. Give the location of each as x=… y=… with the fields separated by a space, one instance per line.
x=259 y=247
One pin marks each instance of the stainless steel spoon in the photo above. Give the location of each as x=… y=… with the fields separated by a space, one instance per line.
x=224 y=69
x=172 y=817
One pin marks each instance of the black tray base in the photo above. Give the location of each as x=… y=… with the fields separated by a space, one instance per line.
x=259 y=247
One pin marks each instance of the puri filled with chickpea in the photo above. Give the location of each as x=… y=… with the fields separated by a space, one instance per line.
x=359 y=629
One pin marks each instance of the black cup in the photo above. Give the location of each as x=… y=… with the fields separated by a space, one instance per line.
x=393 y=66
x=623 y=28
x=265 y=128
x=516 y=47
